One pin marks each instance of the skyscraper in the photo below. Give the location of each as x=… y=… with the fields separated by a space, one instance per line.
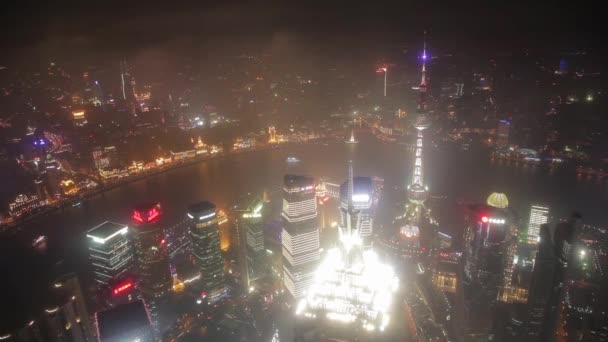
x=151 y=254
x=110 y=252
x=539 y=215
x=542 y=293
x=250 y=223
x=300 y=235
x=205 y=236
x=351 y=286
x=67 y=319
x=490 y=243
x=362 y=198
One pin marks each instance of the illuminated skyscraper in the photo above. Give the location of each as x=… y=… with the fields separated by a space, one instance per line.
x=490 y=244
x=539 y=215
x=205 y=236
x=110 y=252
x=151 y=254
x=362 y=201
x=351 y=287
x=300 y=235
x=250 y=223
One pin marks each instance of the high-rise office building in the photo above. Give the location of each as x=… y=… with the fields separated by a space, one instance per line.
x=151 y=255
x=67 y=318
x=300 y=235
x=351 y=286
x=362 y=202
x=541 y=285
x=110 y=253
x=205 y=237
x=250 y=223
x=490 y=244
x=502 y=133
x=539 y=215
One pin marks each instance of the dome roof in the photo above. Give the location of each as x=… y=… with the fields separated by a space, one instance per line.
x=498 y=200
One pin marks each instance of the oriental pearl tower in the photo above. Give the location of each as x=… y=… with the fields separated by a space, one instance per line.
x=417 y=192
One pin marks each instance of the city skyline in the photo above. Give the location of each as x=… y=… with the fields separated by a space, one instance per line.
x=179 y=172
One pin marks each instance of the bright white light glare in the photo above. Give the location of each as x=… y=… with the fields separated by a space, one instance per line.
x=359 y=292
x=361 y=198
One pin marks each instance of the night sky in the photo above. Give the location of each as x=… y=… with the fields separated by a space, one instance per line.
x=103 y=25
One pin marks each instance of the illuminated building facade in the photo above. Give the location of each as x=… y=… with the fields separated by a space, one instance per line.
x=417 y=191
x=352 y=287
x=539 y=215
x=251 y=223
x=67 y=319
x=205 y=238
x=110 y=253
x=446 y=270
x=24 y=204
x=362 y=200
x=490 y=246
x=148 y=237
x=300 y=234
x=415 y=213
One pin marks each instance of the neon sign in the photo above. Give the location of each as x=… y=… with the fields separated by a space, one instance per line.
x=153 y=214
x=149 y=216
x=137 y=217
x=123 y=288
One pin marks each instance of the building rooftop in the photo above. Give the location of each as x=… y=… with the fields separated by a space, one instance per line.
x=106 y=231
x=298 y=181
x=362 y=189
x=127 y=322
x=201 y=208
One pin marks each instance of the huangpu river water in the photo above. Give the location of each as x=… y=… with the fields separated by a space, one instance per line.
x=455 y=177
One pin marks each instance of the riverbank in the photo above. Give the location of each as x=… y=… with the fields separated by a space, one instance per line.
x=17 y=226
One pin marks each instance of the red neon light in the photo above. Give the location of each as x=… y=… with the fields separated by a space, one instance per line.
x=485 y=219
x=137 y=217
x=162 y=242
x=203 y=294
x=123 y=288
x=153 y=214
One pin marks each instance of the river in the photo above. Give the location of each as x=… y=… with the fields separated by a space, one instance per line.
x=453 y=177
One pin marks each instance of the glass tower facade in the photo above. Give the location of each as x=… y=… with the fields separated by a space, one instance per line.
x=155 y=280
x=205 y=237
x=300 y=235
x=110 y=252
x=539 y=215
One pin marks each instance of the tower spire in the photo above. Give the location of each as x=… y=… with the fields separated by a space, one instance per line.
x=424 y=57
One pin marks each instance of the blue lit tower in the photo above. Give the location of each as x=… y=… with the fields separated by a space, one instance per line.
x=417 y=192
